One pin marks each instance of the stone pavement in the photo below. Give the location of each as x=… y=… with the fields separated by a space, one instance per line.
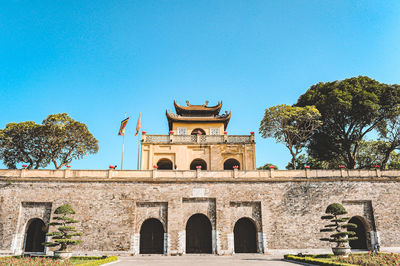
x=203 y=260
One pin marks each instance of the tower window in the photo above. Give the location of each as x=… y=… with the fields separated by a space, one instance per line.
x=181 y=131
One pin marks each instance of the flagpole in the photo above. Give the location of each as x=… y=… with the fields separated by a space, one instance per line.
x=138 y=154
x=123 y=144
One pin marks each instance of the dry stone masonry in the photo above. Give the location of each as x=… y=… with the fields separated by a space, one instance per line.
x=113 y=206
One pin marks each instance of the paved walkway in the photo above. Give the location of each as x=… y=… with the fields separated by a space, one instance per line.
x=202 y=260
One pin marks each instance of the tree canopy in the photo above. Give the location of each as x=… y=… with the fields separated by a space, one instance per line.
x=290 y=125
x=59 y=139
x=350 y=109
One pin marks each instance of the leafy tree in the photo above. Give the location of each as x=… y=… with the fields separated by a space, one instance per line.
x=338 y=225
x=350 y=109
x=267 y=166
x=68 y=139
x=390 y=135
x=292 y=126
x=63 y=237
x=59 y=139
x=302 y=160
x=375 y=152
x=23 y=142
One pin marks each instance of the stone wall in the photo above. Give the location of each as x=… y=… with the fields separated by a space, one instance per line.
x=285 y=206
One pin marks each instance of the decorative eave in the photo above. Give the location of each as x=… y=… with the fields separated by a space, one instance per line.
x=197 y=119
x=197 y=109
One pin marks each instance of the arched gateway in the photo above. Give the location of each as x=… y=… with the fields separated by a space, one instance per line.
x=152 y=237
x=198 y=234
x=361 y=233
x=35 y=236
x=245 y=236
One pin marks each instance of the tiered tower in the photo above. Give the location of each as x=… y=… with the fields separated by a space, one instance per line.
x=198 y=140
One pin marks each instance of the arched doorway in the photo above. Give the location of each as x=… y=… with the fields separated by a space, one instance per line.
x=198 y=131
x=198 y=162
x=198 y=234
x=164 y=164
x=152 y=237
x=361 y=233
x=35 y=236
x=230 y=163
x=245 y=236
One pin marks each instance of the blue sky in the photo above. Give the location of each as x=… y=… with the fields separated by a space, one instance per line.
x=96 y=60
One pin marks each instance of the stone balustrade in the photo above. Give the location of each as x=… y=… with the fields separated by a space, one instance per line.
x=202 y=139
x=253 y=175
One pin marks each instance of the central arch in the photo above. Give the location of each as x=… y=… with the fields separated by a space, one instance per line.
x=245 y=236
x=35 y=235
x=198 y=131
x=152 y=237
x=230 y=163
x=164 y=164
x=198 y=234
x=198 y=162
x=361 y=233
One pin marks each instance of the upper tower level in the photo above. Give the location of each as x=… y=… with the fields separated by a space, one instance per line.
x=198 y=139
x=198 y=119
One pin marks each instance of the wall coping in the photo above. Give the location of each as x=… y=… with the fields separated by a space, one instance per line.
x=200 y=175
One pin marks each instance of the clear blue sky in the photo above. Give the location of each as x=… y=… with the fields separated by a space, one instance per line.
x=96 y=60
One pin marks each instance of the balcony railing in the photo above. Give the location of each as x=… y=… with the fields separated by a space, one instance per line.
x=201 y=139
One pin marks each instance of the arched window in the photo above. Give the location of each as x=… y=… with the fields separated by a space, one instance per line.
x=152 y=237
x=245 y=236
x=198 y=162
x=231 y=163
x=361 y=233
x=198 y=234
x=164 y=164
x=198 y=131
x=35 y=235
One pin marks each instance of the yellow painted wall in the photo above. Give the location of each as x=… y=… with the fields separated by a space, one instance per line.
x=181 y=155
x=205 y=126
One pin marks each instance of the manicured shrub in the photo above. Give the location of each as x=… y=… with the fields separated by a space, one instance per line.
x=338 y=225
x=63 y=237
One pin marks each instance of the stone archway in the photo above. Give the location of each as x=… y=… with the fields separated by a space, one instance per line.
x=152 y=237
x=198 y=234
x=35 y=236
x=164 y=164
x=198 y=162
x=245 y=236
x=230 y=163
x=361 y=232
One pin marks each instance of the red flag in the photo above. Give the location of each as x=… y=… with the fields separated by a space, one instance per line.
x=138 y=126
x=121 y=131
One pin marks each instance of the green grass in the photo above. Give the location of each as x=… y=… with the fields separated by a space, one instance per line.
x=49 y=261
x=365 y=259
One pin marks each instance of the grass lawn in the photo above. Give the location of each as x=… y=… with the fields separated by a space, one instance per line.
x=365 y=259
x=48 y=261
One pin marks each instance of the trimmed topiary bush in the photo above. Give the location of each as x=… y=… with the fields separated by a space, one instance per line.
x=338 y=225
x=63 y=237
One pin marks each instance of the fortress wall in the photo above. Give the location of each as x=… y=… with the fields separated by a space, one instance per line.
x=286 y=210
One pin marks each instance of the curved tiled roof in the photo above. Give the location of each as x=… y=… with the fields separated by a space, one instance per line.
x=198 y=119
x=197 y=110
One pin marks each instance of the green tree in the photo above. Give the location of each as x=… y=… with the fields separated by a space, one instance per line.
x=59 y=139
x=68 y=139
x=338 y=225
x=350 y=109
x=375 y=152
x=267 y=166
x=390 y=135
x=302 y=160
x=23 y=142
x=63 y=237
x=292 y=126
